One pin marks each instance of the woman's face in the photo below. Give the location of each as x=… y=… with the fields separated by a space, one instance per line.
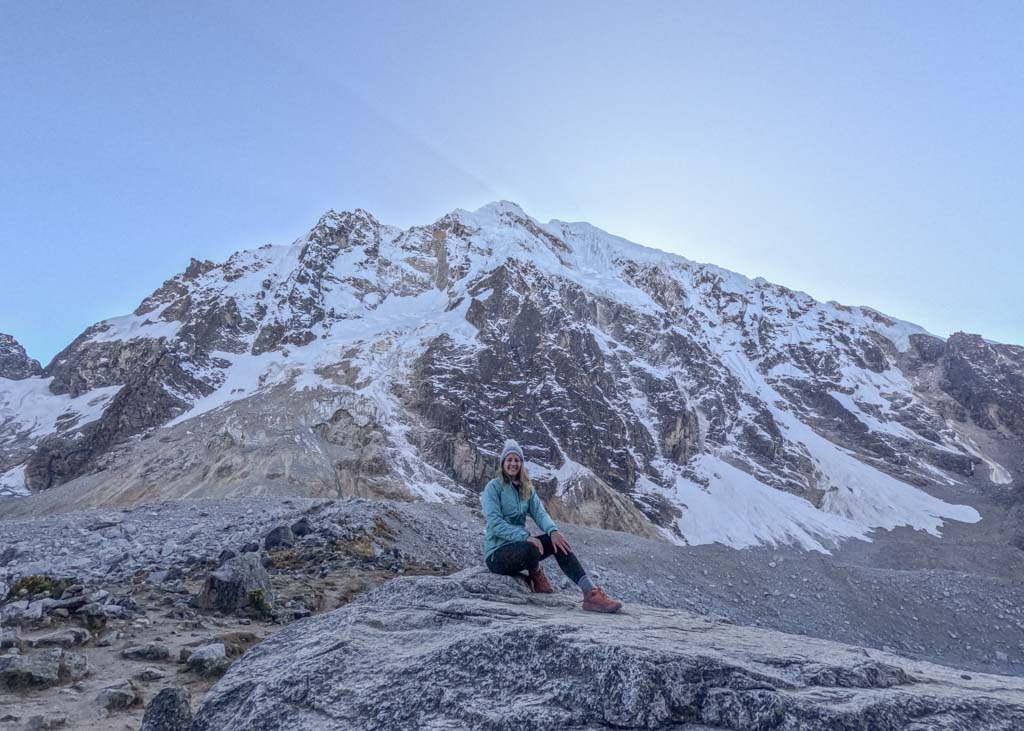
x=512 y=465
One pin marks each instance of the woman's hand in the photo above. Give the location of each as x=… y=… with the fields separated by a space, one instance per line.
x=559 y=543
x=537 y=543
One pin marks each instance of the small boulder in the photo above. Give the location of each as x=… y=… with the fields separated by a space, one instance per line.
x=68 y=603
x=241 y=582
x=279 y=537
x=45 y=723
x=209 y=660
x=165 y=575
x=40 y=670
x=149 y=674
x=108 y=638
x=119 y=697
x=9 y=637
x=74 y=666
x=302 y=527
x=225 y=555
x=250 y=547
x=69 y=637
x=153 y=651
x=13 y=611
x=93 y=615
x=170 y=710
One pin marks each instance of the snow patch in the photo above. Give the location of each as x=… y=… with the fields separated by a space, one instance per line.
x=12 y=482
x=29 y=410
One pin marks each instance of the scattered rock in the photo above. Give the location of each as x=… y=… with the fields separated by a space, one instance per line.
x=93 y=615
x=70 y=637
x=150 y=651
x=42 y=669
x=119 y=697
x=302 y=527
x=9 y=637
x=108 y=638
x=100 y=524
x=209 y=660
x=170 y=710
x=165 y=575
x=149 y=674
x=75 y=666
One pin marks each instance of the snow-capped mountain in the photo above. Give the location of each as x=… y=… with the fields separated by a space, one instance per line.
x=650 y=393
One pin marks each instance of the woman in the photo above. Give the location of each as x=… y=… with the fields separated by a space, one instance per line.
x=508 y=546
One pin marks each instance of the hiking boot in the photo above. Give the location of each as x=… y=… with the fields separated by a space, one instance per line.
x=539 y=582
x=596 y=600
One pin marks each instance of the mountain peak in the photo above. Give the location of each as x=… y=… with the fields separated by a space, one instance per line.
x=332 y=219
x=14 y=361
x=503 y=207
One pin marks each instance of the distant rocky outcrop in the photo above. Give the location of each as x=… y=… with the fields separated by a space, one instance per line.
x=14 y=361
x=475 y=650
x=984 y=379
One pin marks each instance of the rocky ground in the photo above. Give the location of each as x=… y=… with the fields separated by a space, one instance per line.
x=126 y=595
x=479 y=651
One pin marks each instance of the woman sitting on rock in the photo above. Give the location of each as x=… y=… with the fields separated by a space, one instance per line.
x=508 y=546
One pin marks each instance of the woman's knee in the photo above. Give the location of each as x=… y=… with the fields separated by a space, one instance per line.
x=533 y=556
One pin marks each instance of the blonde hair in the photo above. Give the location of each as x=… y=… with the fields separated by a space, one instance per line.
x=525 y=487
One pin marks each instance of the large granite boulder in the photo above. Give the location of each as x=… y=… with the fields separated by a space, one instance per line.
x=475 y=650
x=240 y=582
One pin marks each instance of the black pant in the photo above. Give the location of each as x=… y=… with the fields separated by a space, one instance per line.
x=512 y=558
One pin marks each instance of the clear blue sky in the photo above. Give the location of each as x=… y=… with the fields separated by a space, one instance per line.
x=866 y=153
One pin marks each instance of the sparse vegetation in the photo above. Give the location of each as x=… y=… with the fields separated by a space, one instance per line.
x=258 y=602
x=33 y=585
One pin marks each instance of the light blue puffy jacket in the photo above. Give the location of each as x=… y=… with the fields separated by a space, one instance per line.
x=506 y=515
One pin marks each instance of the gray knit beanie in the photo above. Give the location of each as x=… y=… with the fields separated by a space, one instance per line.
x=511 y=447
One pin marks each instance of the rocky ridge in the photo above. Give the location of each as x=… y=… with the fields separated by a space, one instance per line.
x=651 y=393
x=14 y=361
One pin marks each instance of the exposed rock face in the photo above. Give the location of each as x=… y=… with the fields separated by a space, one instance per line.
x=647 y=391
x=987 y=379
x=14 y=361
x=981 y=381
x=475 y=650
x=156 y=387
